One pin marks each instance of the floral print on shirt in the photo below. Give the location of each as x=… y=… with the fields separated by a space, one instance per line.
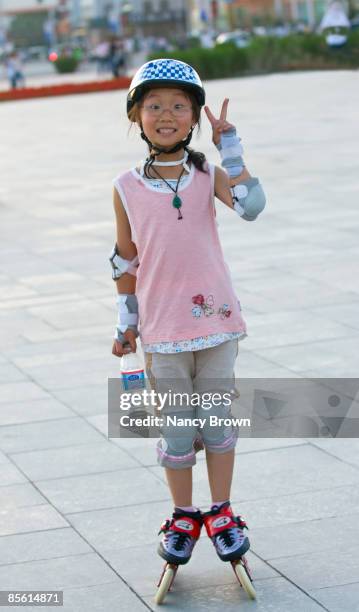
x=195 y=344
x=204 y=306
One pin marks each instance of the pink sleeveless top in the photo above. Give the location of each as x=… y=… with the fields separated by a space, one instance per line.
x=183 y=285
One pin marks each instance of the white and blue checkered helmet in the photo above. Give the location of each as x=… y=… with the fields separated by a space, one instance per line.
x=166 y=72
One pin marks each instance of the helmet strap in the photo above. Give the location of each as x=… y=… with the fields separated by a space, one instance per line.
x=155 y=150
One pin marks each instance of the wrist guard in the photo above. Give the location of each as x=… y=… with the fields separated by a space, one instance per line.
x=248 y=199
x=120 y=266
x=231 y=152
x=127 y=315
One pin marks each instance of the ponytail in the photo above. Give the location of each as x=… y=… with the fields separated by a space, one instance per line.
x=198 y=159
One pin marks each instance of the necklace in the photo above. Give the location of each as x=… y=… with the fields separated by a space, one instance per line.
x=176 y=202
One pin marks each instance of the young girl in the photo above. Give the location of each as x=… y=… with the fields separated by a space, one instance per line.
x=171 y=276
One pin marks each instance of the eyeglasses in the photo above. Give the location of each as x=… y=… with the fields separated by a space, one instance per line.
x=177 y=110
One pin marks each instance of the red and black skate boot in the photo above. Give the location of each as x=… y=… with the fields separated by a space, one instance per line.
x=180 y=536
x=226 y=532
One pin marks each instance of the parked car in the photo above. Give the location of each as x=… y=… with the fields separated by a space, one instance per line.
x=240 y=38
x=260 y=31
x=280 y=30
x=37 y=52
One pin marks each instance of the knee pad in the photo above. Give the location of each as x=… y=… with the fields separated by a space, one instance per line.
x=179 y=439
x=176 y=456
x=218 y=433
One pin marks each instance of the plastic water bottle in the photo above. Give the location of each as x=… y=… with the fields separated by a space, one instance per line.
x=132 y=372
x=134 y=383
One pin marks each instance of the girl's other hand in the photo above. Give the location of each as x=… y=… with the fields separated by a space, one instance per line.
x=129 y=346
x=219 y=125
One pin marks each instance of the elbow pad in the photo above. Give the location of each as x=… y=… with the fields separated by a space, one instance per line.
x=120 y=266
x=127 y=315
x=248 y=199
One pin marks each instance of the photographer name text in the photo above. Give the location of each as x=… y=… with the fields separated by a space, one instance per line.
x=174 y=421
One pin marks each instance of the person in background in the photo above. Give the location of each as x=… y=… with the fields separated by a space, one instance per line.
x=15 y=71
x=117 y=57
x=102 y=53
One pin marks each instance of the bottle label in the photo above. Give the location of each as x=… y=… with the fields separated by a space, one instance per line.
x=133 y=380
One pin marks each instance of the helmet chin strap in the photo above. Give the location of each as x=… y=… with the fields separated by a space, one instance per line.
x=155 y=150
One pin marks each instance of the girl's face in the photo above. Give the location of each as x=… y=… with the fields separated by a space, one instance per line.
x=166 y=115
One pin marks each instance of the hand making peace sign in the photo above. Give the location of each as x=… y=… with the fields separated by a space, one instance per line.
x=219 y=125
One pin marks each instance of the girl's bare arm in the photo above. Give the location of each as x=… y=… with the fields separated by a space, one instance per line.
x=126 y=248
x=126 y=284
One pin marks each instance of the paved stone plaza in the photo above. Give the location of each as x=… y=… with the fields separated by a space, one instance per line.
x=81 y=513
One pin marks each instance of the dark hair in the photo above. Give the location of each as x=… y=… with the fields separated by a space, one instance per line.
x=198 y=159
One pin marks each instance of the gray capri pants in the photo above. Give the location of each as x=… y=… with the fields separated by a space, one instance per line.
x=199 y=372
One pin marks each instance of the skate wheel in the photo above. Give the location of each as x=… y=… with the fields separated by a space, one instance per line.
x=165 y=583
x=244 y=578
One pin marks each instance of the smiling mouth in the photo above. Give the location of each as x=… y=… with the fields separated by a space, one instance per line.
x=166 y=131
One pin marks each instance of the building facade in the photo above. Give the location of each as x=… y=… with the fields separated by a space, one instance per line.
x=306 y=11
x=167 y=18
x=14 y=7
x=156 y=17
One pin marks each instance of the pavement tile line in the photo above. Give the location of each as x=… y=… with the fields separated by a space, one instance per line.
x=40 y=300
x=292 y=583
x=145 y=504
x=332 y=456
x=20 y=533
x=75 y=416
x=271 y=362
x=50 y=448
x=79 y=475
x=283 y=557
x=78 y=588
x=235 y=501
x=294 y=344
x=343 y=299
x=44 y=421
x=43 y=558
x=73 y=477
x=158 y=477
x=283 y=495
x=63 y=516
x=336 y=585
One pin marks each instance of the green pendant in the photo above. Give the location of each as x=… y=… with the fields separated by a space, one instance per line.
x=177 y=202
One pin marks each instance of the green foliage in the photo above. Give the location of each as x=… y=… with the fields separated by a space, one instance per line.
x=78 y=54
x=66 y=64
x=221 y=61
x=270 y=54
x=193 y=42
